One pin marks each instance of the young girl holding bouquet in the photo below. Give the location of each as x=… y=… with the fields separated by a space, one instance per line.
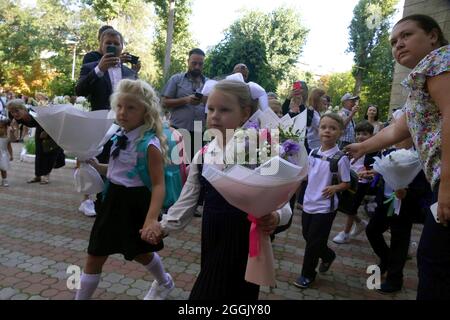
x=418 y=43
x=320 y=202
x=128 y=210
x=225 y=228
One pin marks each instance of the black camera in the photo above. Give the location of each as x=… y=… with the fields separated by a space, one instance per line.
x=198 y=95
x=133 y=59
x=111 y=49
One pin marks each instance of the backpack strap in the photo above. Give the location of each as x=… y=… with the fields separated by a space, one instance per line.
x=334 y=169
x=309 y=117
x=141 y=167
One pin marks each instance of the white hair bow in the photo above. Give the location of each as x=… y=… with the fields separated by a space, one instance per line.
x=256 y=91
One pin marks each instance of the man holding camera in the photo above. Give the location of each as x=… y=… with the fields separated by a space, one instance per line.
x=99 y=79
x=182 y=96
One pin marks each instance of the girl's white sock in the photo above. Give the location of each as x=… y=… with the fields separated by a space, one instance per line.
x=157 y=269
x=88 y=283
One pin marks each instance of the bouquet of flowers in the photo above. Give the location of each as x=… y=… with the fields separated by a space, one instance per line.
x=81 y=103
x=80 y=134
x=332 y=109
x=60 y=100
x=261 y=160
x=399 y=168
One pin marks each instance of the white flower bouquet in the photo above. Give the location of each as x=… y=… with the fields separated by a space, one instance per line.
x=399 y=168
x=259 y=161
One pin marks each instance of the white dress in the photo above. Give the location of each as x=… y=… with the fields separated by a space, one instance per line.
x=4 y=154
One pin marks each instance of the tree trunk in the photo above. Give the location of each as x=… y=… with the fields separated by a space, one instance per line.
x=169 y=39
x=358 y=82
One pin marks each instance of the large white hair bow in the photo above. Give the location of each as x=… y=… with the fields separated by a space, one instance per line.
x=256 y=91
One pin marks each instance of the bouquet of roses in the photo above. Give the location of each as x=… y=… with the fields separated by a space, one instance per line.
x=260 y=161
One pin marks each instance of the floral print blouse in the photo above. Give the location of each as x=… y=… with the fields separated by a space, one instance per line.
x=423 y=116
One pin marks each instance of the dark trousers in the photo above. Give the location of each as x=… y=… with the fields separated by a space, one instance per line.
x=433 y=259
x=316 y=230
x=393 y=258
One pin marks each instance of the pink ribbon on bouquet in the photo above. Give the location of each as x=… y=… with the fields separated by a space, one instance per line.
x=254 y=236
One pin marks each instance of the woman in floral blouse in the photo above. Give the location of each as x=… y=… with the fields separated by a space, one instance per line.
x=418 y=43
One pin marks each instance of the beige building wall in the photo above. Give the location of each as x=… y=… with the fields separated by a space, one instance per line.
x=440 y=11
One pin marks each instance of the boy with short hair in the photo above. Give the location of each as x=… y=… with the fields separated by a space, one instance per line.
x=364 y=130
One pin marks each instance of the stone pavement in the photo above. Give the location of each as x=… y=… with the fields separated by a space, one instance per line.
x=42 y=233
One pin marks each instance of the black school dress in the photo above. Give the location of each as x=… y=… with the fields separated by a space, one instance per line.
x=120 y=216
x=48 y=154
x=116 y=228
x=224 y=250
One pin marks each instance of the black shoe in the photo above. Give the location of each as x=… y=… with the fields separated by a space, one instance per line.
x=386 y=287
x=325 y=266
x=303 y=282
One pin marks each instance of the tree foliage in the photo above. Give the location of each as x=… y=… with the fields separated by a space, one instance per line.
x=33 y=48
x=112 y=10
x=107 y=10
x=268 y=43
x=336 y=85
x=369 y=41
x=182 y=41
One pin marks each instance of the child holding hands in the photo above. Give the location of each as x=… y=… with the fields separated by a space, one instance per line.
x=128 y=213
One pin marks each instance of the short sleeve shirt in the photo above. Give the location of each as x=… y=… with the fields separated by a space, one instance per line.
x=125 y=162
x=319 y=177
x=181 y=85
x=349 y=133
x=423 y=116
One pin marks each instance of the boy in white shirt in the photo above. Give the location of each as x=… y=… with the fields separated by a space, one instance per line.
x=320 y=201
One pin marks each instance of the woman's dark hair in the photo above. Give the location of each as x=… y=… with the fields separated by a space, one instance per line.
x=376 y=117
x=427 y=24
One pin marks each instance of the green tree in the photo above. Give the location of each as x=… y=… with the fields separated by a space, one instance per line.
x=136 y=22
x=182 y=40
x=377 y=84
x=336 y=85
x=33 y=42
x=368 y=28
x=107 y=10
x=269 y=43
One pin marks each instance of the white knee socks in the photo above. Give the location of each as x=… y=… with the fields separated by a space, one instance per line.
x=157 y=269
x=88 y=283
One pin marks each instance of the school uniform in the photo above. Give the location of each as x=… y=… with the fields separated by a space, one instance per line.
x=224 y=237
x=362 y=164
x=125 y=204
x=393 y=257
x=319 y=212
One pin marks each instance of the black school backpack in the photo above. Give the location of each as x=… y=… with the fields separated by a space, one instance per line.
x=346 y=198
